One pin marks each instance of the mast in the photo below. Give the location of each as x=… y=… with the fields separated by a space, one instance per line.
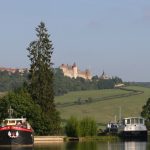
x=10 y=112
x=120 y=113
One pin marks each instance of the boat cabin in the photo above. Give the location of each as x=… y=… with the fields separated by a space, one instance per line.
x=20 y=122
x=133 y=120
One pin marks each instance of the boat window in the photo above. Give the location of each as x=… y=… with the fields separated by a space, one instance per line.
x=128 y=121
x=141 y=121
x=123 y=121
x=132 y=120
x=136 y=120
x=11 y=122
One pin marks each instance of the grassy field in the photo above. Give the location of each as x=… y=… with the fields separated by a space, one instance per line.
x=106 y=110
x=74 y=96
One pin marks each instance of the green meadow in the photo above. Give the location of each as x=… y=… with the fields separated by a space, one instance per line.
x=103 y=111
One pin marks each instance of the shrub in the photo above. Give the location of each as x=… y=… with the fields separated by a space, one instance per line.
x=72 y=127
x=87 y=127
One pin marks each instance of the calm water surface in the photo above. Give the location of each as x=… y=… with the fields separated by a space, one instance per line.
x=86 y=146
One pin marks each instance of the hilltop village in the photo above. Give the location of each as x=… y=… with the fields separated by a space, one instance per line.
x=71 y=71
x=77 y=80
x=14 y=70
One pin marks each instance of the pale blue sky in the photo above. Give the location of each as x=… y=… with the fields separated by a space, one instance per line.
x=110 y=35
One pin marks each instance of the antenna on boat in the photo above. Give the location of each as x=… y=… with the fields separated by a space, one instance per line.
x=120 y=114
x=10 y=112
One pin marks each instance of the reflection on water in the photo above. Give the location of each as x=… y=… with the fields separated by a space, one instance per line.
x=81 y=146
x=135 y=145
x=16 y=148
x=130 y=145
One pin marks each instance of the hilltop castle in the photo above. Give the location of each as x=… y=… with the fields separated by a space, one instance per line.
x=72 y=71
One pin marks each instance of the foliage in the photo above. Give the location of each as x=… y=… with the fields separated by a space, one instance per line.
x=63 y=84
x=40 y=73
x=11 y=81
x=117 y=80
x=71 y=127
x=87 y=127
x=22 y=103
x=105 y=84
x=41 y=79
x=146 y=113
x=146 y=110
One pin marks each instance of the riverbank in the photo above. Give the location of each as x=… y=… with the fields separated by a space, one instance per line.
x=48 y=139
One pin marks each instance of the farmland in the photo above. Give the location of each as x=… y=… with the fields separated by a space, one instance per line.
x=105 y=105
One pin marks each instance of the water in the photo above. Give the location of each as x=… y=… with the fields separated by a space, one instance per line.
x=130 y=145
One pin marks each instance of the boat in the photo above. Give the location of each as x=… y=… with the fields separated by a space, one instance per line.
x=16 y=131
x=133 y=128
x=112 y=128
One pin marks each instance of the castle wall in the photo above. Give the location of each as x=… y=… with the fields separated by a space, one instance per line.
x=74 y=72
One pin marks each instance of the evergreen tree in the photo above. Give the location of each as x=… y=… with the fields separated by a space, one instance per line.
x=41 y=77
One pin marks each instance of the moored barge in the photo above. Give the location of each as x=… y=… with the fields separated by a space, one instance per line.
x=133 y=128
x=16 y=131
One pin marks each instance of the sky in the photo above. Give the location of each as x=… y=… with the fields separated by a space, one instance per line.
x=109 y=35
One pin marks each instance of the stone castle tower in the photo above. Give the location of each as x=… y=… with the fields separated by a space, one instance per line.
x=72 y=71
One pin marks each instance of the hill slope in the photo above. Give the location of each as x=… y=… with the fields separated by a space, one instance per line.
x=105 y=109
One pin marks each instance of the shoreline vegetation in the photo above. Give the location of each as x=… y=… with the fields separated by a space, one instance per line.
x=102 y=138
x=138 y=94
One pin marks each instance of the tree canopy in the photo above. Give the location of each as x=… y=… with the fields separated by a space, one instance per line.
x=146 y=113
x=23 y=106
x=41 y=78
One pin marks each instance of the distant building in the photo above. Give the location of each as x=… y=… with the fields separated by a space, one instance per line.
x=72 y=71
x=119 y=85
x=14 y=70
x=104 y=76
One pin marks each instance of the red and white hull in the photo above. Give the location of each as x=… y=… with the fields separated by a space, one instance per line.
x=13 y=135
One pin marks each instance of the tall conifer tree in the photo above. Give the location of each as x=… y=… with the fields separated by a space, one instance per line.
x=41 y=74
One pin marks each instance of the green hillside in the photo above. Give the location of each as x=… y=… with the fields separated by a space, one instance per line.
x=105 y=103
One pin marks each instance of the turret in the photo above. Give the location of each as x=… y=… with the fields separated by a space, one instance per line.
x=75 y=70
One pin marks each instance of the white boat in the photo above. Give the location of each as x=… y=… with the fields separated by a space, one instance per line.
x=133 y=128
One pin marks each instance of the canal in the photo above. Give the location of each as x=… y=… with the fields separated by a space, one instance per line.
x=128 y=145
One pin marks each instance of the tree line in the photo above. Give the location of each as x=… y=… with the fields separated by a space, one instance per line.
x=62 y=84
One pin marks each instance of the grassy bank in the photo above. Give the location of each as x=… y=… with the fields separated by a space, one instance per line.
x=109 y=138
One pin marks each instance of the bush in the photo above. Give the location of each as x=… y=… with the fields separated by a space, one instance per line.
x=72 y=127
x=87 y=127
